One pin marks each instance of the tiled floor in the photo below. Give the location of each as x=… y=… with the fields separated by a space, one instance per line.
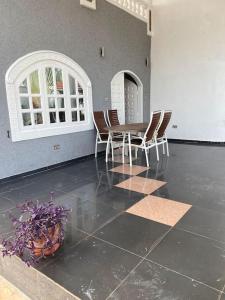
x=153 y=233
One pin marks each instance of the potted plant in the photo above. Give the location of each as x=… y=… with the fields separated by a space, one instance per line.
x=39 y=231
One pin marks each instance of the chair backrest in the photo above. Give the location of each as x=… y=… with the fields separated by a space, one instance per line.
x=151 y=131
x=112 y=115
x=165 y=121
x=99 y=121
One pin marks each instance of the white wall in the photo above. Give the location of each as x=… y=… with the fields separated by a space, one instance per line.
x=188 y=67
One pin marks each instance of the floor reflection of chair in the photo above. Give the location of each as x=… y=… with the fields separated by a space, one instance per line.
x=101 y=175
x=158 y=168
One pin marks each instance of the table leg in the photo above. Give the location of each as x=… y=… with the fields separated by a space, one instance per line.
x=130 y=154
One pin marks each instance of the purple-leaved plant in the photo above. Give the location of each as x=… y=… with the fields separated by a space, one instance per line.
x=35 y=223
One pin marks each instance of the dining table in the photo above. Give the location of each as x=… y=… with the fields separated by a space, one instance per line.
x=125 y=130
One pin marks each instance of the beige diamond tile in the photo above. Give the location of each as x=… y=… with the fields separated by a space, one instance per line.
x=161 y=210
x=141 y=184
x=129 y=170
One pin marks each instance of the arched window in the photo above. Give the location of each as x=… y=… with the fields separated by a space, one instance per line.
x=48 y=94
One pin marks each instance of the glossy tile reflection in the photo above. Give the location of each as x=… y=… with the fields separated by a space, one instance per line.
x=129 y=170
x=144 y=233
x=141 y=185
x=161 y=210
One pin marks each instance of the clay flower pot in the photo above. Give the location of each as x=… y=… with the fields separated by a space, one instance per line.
x=39 y=245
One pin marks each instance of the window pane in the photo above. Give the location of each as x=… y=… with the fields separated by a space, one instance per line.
x=51 y=102
x=73 y=103
x=72 y=85
x=49 y=80
x=24 y=101
x=38 y=118
x=23 y=87
x=59 y=81
x=80 y=89
x=62 y=116
x=36 y=102
x=34 y=83
x=74 y=116
x=26 y=119
x=81 y=103
x=82 y=115
x=60 y=102
x=52 y=116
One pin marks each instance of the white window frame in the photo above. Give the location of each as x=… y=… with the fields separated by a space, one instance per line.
x=20 y=69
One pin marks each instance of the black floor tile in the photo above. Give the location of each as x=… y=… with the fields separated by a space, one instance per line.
x=6 y=225
x=87 y=168
x=73 y=236
x=132 y=233
x=6 y=204
x=120 y=199
x=91 y=190
x=32 y=192
x=92 y=269
x=15 y=184
x=205 y=222
x=89 y=215
x=197 y=257
x=86 y=215
x=152 y=282
x=56 y=180
x=112 y=178
x=198 y=194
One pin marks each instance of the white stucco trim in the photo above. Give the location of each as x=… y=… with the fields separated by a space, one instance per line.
x=14 y=74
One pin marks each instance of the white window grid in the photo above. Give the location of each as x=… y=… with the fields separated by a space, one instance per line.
x=45 y=110
x=21 y=70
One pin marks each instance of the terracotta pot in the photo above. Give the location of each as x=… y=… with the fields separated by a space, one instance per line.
x=54 y=234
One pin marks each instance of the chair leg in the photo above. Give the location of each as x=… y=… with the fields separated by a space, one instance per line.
x=146 y=155
x=107 y=150
x=112 y=149
x=123 y=150
x=130 y=153
x=136 y=152
x=96 y=146
x=163 y=148
x=167 y=148
x=157 y=150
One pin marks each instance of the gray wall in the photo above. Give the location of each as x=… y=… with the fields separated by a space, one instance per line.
x=66 y=27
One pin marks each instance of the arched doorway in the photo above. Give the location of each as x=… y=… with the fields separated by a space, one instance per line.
x=127 y=97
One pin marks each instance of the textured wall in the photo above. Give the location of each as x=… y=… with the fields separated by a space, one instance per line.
x=66 y=27
x=188 y=67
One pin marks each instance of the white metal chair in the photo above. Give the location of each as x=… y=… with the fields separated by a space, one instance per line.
x=161 y=132
x=149 y=141
x=112 y=117
x=100 y=125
